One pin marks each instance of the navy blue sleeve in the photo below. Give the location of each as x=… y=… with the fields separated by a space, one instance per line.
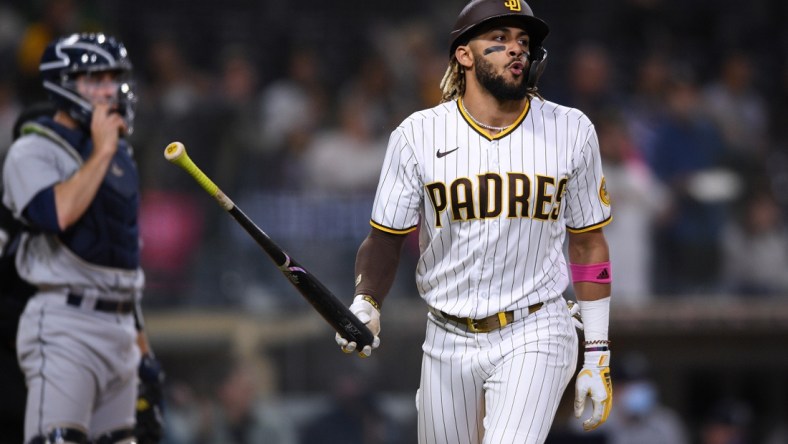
x=41 y=212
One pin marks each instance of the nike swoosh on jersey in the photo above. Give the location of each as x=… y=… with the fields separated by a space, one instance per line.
x=440 y=153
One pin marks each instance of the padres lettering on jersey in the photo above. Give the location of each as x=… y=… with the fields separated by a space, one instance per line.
x=484 y=197
x=513 y=196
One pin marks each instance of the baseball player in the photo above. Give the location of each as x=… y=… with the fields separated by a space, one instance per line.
x=72 y=180
x=494 y=177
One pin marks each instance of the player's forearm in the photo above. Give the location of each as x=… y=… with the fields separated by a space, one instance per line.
x=586 y=291
x=589 y=256
x=376 y=263
x=142 y=343
x=74 y=195
x=588 y=248
x=589 y=261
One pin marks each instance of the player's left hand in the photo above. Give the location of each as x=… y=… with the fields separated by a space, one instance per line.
x=150 y=401
x=369 y=315
x=594 y=381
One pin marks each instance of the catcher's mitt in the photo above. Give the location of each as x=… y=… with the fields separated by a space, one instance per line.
x=150 y=401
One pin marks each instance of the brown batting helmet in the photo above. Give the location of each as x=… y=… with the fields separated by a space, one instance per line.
x=479 y=12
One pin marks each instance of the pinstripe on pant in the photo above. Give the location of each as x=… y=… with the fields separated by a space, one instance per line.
x=498 y=387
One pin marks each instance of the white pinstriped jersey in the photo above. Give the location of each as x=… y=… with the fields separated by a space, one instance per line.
x=492 y=211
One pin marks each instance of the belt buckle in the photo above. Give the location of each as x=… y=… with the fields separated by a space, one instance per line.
x=480 y=325
x=473 y=325
x=124 y=307
x=487 y=325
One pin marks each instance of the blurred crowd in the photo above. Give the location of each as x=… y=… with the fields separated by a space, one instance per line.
x=288 y=107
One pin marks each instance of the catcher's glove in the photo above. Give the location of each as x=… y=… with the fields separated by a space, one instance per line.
x=150 y=401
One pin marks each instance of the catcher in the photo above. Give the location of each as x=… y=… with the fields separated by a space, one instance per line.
x=71 y=179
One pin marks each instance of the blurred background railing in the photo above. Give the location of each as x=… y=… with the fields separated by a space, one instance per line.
x=288 y=106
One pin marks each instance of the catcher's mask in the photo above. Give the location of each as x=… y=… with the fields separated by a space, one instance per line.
x=477 y=14
x=67 y=57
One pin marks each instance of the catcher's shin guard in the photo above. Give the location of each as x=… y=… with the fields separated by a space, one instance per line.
x=120 y=436
x=64 y=435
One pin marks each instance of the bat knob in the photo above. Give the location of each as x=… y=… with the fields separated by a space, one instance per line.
x=174 y=150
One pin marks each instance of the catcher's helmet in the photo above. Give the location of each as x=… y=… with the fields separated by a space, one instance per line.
x=66 y=57
x=480 y=12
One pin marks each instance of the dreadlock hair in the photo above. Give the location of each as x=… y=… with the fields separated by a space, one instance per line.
x=453 y=83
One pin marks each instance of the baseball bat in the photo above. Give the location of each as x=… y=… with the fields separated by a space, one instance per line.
x=329 y=306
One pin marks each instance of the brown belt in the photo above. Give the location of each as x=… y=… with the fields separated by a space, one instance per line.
x=488 y=324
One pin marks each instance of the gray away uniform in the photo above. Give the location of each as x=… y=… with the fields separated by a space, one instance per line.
x=77 y=338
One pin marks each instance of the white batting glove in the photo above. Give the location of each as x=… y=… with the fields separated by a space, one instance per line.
x=574 y=312
x=370 y=316
x=594 y=382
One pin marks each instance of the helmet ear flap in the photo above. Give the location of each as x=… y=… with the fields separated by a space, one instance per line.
x=537 y=64
x=65 y=96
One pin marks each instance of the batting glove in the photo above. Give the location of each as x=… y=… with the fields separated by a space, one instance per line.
x=369 y=315
x=574 y=312
x=594 y=381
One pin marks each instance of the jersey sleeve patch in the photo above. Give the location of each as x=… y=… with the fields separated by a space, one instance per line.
x=603 y=195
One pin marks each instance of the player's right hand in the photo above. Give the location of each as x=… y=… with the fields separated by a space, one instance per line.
x=106 y=126
x=370 y=316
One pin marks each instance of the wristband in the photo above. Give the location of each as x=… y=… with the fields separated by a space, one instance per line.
x=596 y=317
x=372 y=301
x=597 y=342
x=598 y=273
x=596 y=359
